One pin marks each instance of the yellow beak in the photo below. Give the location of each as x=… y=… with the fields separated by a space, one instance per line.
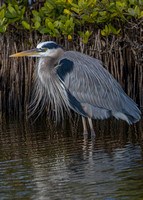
x=31 y=52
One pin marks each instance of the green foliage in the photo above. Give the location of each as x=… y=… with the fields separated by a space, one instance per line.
x=14 y=13
x=60 y=18
x=3 y=20
x=85 y=36
x=109 y=29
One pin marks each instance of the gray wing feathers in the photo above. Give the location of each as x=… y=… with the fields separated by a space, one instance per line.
x=95 y=112
x=90 y=83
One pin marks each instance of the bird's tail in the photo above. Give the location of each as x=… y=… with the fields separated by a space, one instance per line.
x=130 y=112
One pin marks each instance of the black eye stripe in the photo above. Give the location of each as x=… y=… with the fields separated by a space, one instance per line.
x=50 y=46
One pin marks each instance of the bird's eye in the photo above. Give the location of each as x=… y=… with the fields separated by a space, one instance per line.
x=42 y=49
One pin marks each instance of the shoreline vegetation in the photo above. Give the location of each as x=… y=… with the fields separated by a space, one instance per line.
x=111 y=31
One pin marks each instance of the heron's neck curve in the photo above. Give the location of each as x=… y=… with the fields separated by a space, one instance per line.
x=48 y=85
x=48 y=63
x=57 y=55
x=47 y=66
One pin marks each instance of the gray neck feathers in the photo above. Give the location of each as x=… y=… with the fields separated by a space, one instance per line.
x=49 y=90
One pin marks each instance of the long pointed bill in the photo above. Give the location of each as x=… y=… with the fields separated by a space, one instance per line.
x=31 y=52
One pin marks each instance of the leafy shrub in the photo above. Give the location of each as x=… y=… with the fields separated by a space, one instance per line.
x=67 y=18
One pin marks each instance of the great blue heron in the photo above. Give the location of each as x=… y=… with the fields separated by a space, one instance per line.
x=72 y=80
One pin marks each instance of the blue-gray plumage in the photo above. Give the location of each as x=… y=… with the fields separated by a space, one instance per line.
x=97 y=91
x=72 y=80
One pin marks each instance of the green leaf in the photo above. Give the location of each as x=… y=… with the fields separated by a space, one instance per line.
x=118 y=31
x=86 y=36
x=3 y=21
x=2 y=14
x=113 y=29
x=2 y=29
x=77 y=22
x=67 y=24
x=106 y=28
x=9 y=15
x=103 y=33
x=50 y=25
x=106 y=31
x=81 y=33
x=132 y=2
x=56 y=31
x=37 y=25
x=76 y=10
x=75 y=5
x=43 y=30
x=16 y=8
x=80 y=3
x=50 y=6
x=102 y=13
x=37 y=18
x=137 y=11
x=70 y=1
x=57 y=24
x=66 y=11
x=26 y=25
x=119 y=3
x=23 y=10
x=35 y=13
x=131 y=11
x=114 y=15
x=46 y=21
x=12 y=10
x=11 y=20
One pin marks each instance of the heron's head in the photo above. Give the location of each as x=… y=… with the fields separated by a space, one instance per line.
x=43 y=49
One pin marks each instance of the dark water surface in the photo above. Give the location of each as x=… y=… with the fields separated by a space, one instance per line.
x=44 y=162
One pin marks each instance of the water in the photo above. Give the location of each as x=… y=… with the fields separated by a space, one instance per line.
x=45 y=162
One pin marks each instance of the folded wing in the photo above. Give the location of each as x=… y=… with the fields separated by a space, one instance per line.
x=95 y=89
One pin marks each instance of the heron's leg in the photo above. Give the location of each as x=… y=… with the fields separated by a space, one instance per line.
x=91 y=127
x=84 y=126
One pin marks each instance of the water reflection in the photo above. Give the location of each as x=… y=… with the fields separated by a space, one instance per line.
x=41 y=161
